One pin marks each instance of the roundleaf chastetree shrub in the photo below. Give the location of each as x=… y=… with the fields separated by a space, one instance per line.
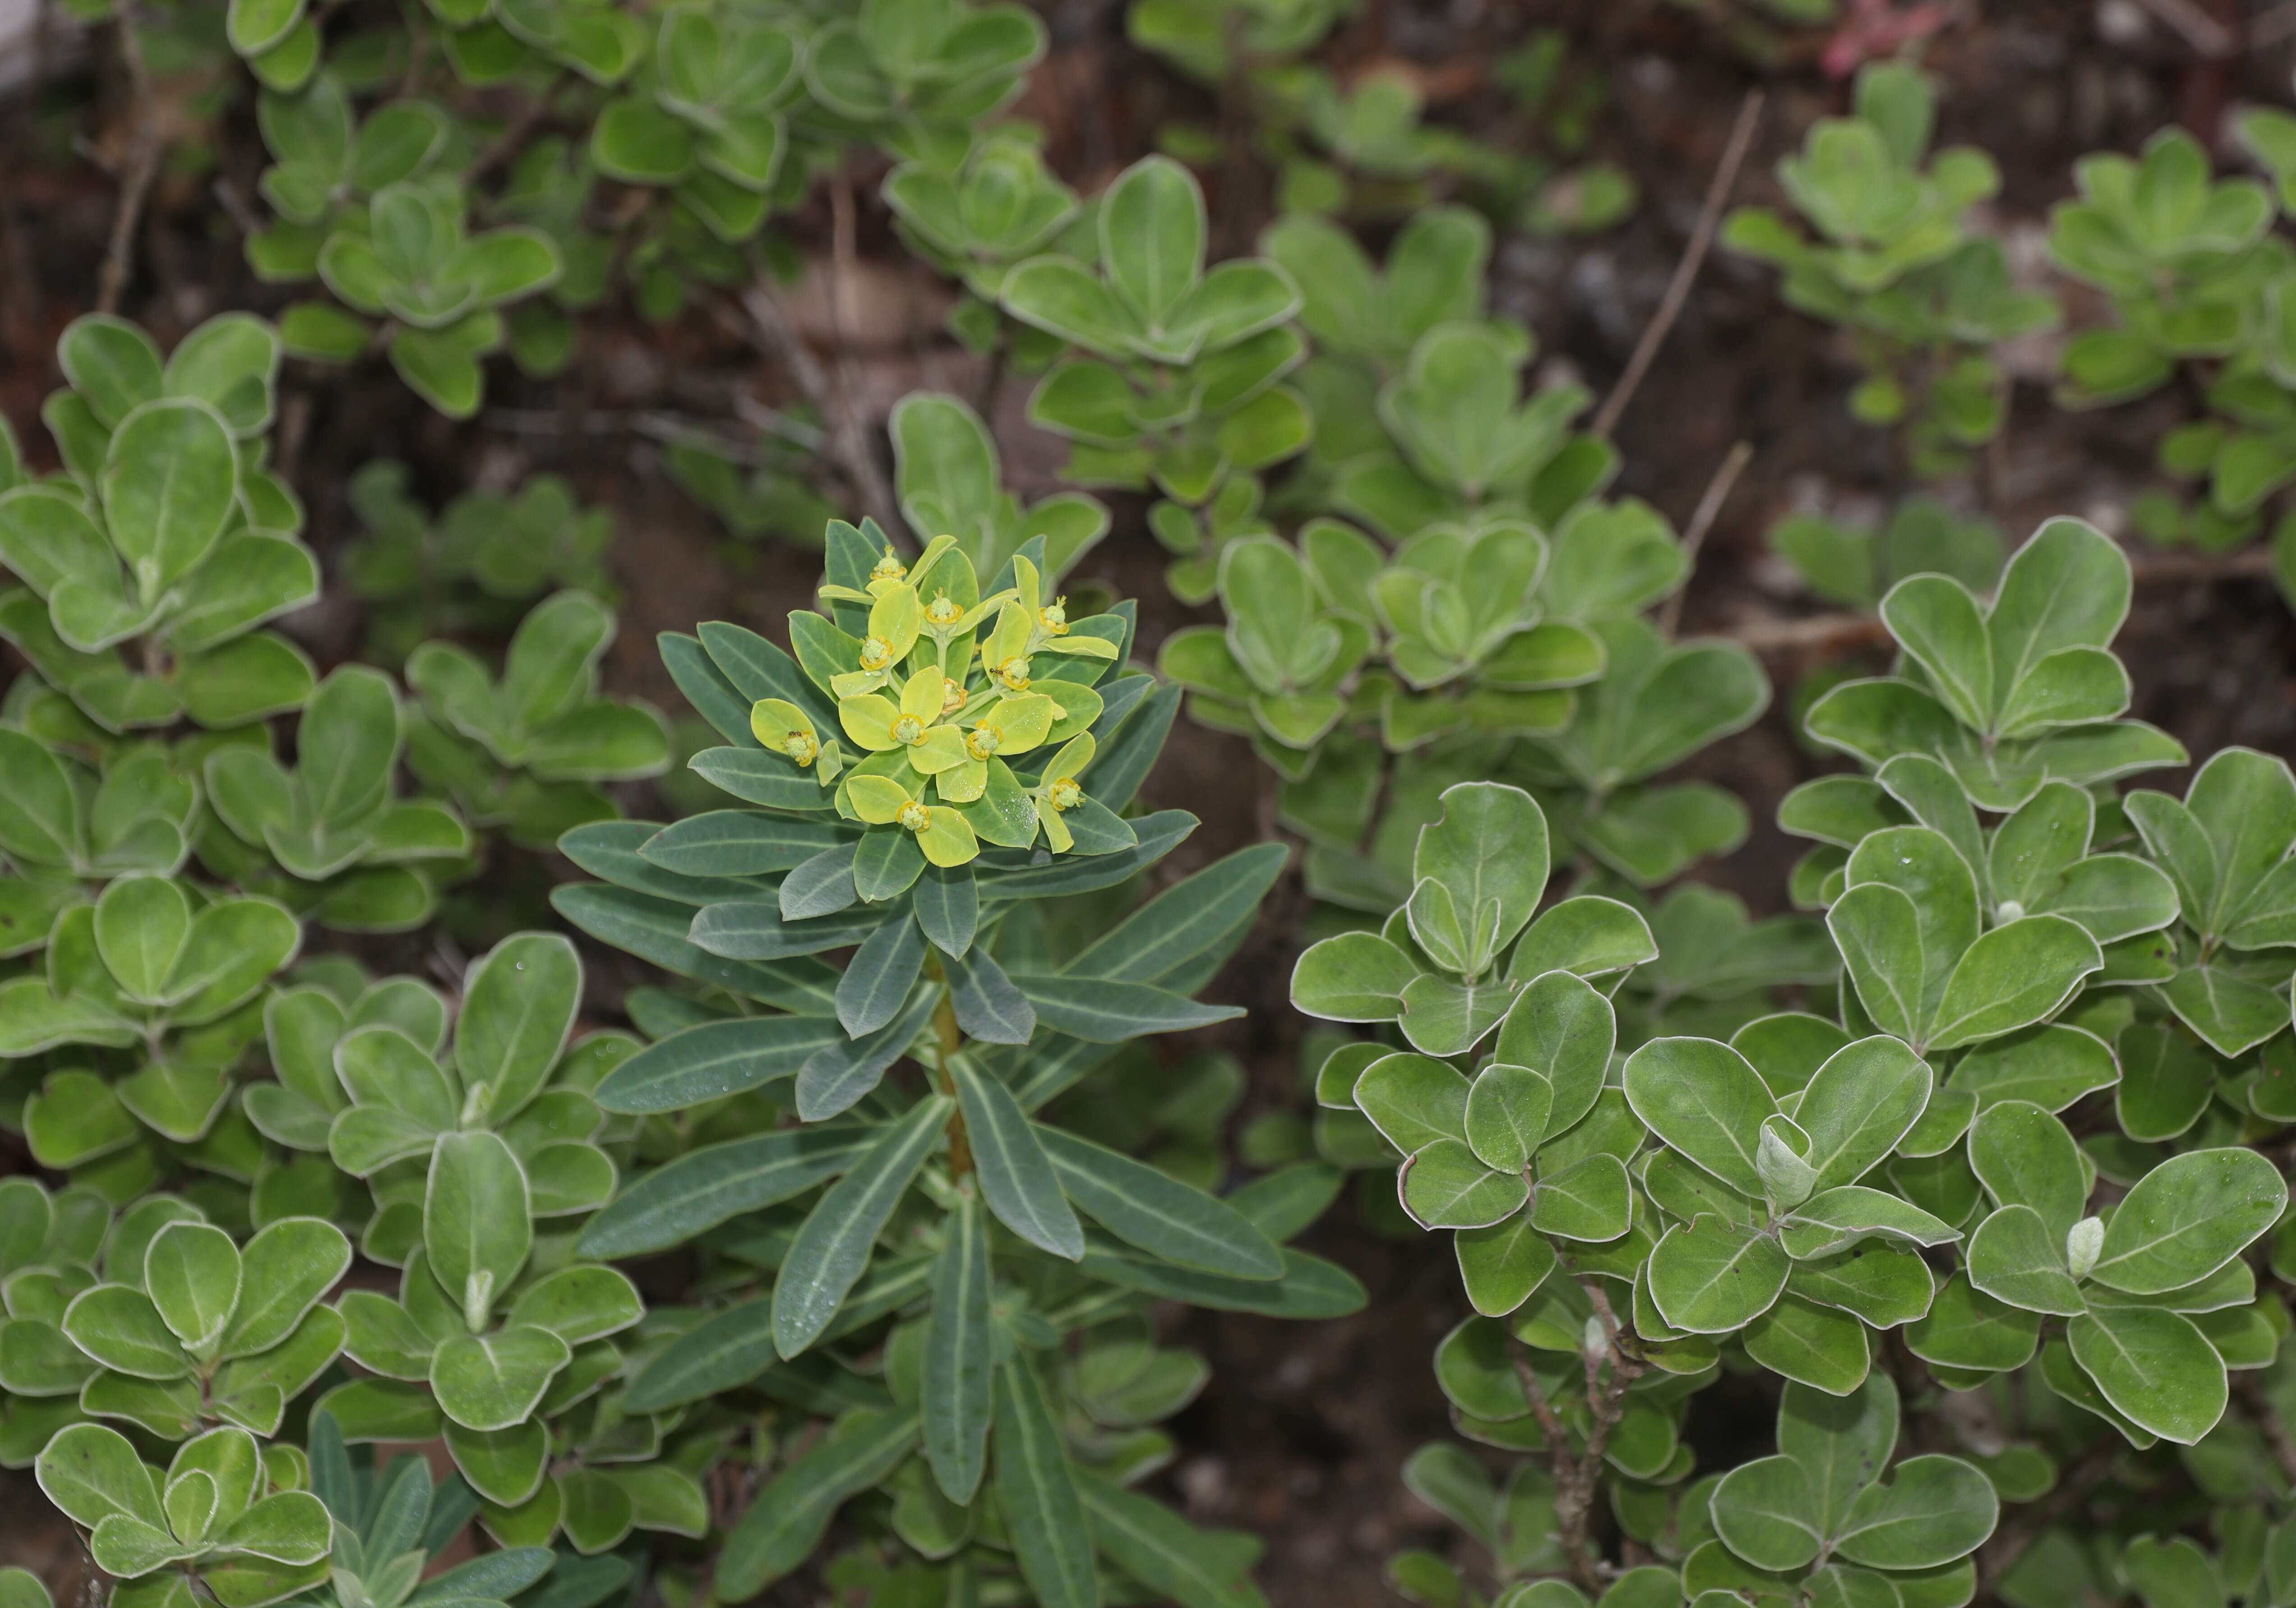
x=1852 y=564
x=483 y=1156
x=2092 y=980
x=1893 y=257
x=1371 y=680
x=975 y=222
x=147 y=568
x=471 y=568
x=1182 y=390
x=2017 y=970
x=947 y=475
x=54 y=1246
x=131 y=1029
x=525 y=753
x=933 y=777
x=2195 y=277
x=715 y=117
x=331 y=836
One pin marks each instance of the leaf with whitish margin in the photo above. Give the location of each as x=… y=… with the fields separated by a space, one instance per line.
x=1704 y=1100
x=1711 y=1277
x=2155 y=1368
x=2187 y=1217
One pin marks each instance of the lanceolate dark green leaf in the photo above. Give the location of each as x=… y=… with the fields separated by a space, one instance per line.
x=1124 y=761
x=610 y=849
x=1037 y=1489
x=788 y=1520
x=655 y=930
x=723 y=1352
x=739 y=843
x=713 y=1060
x=675 y=1202
x=1184 y=919
x=1109 y=1013
x=988 y=1007
x=1310 y=1288
x=1016 y=1177
x=836 y=1076
x=959 y=1365
x=759 y=669
x=1159 y=834
x=948 y=906
x=1161 y=1550
x=832 y=1246
x=753 y=929
x=1156 y=1212
x=821 y=885
x=706 y=687
x=881 y=975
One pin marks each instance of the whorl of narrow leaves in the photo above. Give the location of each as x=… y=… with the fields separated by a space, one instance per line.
x=932 y=767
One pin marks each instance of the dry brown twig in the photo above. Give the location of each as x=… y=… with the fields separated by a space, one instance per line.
x=848 y=446
x=1844 y=630
x=2200 y=30
x=137 y=172
x=1701 y=520
x=847 y=442
x=1686 y=272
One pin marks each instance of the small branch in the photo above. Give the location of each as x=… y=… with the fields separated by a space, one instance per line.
x=1543 y=1409
x=2274 y=27
x=1677 y=290
x=1834 y=632
x=847 y=446
x=1693 y=537
x=2201 y=31
x=2269 y=1419
x=142 y=167
x=235 y=204
x=2083 y=1478
x=654 y=425
x=510 y=141
x=2252 y=560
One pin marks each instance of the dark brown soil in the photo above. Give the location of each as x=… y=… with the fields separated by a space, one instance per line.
x=1302 y=1432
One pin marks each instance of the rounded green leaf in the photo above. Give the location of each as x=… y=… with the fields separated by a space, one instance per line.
x=2156 y=1368
x=1714 y=1276
x=192 y=1274
x=2187 y=1217
x=477 y=1225
x=170 y=483
x=1930 y=1511
x=93 y=1473
x=1704 y=1100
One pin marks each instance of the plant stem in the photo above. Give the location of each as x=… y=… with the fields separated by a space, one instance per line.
x=1693 y=537
x=1677 y=290
x=142 y=167
x=951 y=1040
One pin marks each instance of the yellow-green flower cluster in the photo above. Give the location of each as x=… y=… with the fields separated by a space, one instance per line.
x=938 y=712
